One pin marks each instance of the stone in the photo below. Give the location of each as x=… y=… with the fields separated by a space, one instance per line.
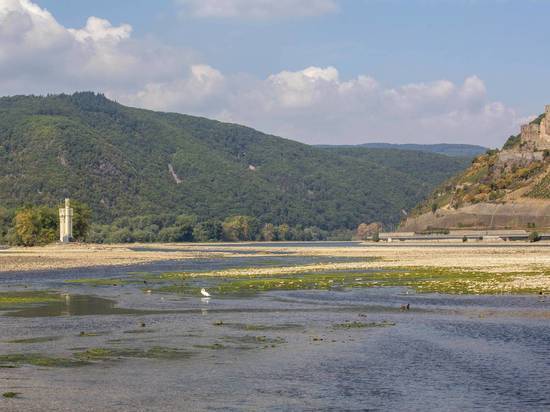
x=66 y=223
x=537 y=136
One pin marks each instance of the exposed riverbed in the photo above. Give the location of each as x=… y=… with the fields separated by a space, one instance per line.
x=142 y=338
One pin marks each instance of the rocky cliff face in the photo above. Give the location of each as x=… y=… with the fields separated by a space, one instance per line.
x=509 y=188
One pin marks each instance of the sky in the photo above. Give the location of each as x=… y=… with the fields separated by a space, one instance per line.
x=316 y=71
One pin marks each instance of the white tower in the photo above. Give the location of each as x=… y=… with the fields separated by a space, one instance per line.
x=66 y=223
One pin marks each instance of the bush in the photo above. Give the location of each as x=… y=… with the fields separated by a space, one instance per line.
x=534 y=237
x=34 y=226
x=238 y=228
x=209 y=231
x=82 y=217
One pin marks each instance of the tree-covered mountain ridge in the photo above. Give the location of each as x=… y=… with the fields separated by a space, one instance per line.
x=125 y=161
x=449 y=149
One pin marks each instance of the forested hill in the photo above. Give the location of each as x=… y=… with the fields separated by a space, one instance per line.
x=454 y=150
x=124 y=161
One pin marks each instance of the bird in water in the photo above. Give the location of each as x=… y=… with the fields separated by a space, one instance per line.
x=405 y=307
x=205 y=293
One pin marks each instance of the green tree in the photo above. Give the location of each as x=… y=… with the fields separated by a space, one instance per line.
x=240 y=228
x=35 y=226
x=313 y=233
x=283 y=232
x=186 y=225
x=209 y=231
x=268 y=232
x=120 y=236
x=82 y=219
x=6 y=219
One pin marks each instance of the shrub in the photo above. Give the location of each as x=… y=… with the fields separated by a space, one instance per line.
x=534 y=237
x=34 y=226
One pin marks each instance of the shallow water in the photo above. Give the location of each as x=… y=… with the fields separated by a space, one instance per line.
x=277 y=351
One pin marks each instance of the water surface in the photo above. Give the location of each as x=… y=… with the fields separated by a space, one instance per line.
x=318 y=350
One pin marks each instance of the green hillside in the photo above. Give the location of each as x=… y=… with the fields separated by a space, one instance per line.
x=120 y=160
x=453 y=150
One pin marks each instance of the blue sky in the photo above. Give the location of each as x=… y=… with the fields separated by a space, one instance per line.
x=381 y=70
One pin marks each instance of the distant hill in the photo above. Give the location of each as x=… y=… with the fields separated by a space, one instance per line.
x=124 y=161
x=453 y=150
x=508 y=188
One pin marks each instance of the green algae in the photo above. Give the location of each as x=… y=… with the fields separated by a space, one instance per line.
x=307 y=281
x=213 y=346
x=259 y=327
x=261 y=341
x=36 y=359
x=14 y=299
x=10 y=395
x=139 y=331
x=155 y=352
x=359 y=325
x=41 y=339
x=100 y=281
x=90 y=334
x=246 y=342
x=459 y=281
x=133 y=279
x=421 y=279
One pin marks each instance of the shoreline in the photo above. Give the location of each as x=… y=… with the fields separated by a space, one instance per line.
x=497 y=257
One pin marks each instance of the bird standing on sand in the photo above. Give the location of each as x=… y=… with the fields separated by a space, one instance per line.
x=205 y=293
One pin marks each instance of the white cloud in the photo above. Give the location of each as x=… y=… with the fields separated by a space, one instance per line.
x=315 y=105
x=39 y=55
x=191 y=92
x=101 y=31
x=257 y=9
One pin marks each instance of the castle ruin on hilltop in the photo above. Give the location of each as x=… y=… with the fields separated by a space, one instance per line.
x=537 y=136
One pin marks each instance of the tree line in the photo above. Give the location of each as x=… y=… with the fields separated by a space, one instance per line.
x=39 y=225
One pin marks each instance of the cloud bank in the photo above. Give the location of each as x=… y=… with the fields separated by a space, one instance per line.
x=314 y=105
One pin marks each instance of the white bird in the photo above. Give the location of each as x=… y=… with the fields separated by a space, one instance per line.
x=205 y=293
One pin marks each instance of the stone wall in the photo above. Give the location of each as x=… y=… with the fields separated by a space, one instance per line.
x=517 y=214
x=537 y=137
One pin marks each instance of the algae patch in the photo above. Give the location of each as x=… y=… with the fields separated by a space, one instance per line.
x=359 y=325
x=35 y=359
x=260 y=327
x=10 y=395
x=156 y=352
x=40 y=339
x=14 y=299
